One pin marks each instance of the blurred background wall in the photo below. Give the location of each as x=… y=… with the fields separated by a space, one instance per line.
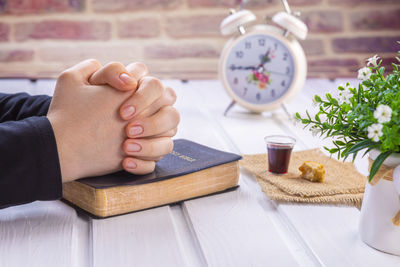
x=180 y=38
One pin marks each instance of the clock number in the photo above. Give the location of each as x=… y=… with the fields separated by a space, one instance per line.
x=275 y=46
x=285 y=56
x=239 y=54
x=235 y=81
x=245 y=91
x=261 y=42
x=247 y=45
x=287 y=70
x=258 y=96
x=273 y=92
x=283 y=83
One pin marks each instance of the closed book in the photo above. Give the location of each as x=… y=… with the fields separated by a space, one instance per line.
x=191 y=170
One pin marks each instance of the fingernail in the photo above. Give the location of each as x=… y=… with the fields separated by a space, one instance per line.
x=132 y=147
x=128 y=111
x=131 y=164
x=135 y=130
x=126 y=78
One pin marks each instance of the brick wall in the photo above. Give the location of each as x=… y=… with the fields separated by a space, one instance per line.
x=180 y=38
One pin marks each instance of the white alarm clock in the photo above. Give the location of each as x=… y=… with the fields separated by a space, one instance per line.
x=264 y=65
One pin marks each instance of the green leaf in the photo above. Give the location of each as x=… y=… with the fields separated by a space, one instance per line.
x=360 y=91
x=349 y=122
x=377 y=164
x=360 y=146
x=334 y=101
x=333 y=150
x=326 y=148
x=317 y=118
x=340 y=143
x=367 y=83
x=381 y=70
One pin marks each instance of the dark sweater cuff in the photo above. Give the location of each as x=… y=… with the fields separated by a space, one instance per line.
x=50 y=185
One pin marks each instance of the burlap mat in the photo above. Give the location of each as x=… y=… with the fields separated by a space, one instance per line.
x=343 y=183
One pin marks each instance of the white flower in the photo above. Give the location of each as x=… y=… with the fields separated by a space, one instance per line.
x=383 y=113
x=345 y=86
x=364 y=73
x=375 y=131
x=345 y=95
x=373 y=61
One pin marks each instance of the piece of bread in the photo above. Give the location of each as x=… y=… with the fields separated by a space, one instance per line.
x=313 y=171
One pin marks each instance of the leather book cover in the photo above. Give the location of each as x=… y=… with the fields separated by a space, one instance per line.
x=187 y=157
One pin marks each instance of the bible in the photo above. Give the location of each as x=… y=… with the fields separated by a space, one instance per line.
x=190 y=171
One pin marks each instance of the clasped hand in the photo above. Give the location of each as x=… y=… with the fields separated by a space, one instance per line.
x=110 y=117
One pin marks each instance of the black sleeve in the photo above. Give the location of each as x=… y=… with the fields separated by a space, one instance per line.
x=20 y=106
x=29 y=164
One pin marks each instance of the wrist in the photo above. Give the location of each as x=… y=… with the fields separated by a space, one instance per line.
x=69 y=163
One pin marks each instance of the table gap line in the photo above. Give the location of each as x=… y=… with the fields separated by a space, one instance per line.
x=290 y=229
x=192 y=251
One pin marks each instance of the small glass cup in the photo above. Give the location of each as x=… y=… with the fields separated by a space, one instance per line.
x=279 y=149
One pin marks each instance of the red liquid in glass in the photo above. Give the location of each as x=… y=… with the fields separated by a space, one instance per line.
x=278 y=158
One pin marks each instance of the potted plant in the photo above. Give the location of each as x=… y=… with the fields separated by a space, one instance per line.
x=366 y=119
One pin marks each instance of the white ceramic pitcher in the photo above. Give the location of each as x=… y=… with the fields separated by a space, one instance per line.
x=380 y=205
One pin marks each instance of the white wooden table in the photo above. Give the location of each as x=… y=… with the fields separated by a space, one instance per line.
x=240 y=228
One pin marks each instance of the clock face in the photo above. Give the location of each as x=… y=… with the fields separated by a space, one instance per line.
x=259 y=69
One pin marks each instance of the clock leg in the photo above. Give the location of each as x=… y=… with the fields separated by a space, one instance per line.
x=286 y=111
x=229 y=107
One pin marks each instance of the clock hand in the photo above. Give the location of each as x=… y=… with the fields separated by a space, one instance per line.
x=233 y=67
x=260 y=67
x=265 y=58
x=278 y=73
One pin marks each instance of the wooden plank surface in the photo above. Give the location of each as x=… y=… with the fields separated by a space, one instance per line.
x=241 y=228
x=232 y=229
x=82 y=241
x=133 y=239
x=37 y=234
x=145 y=238
x=12 y=86
x=341 y=231
x=338 y=226
x=212 y=100
x=42 y=233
